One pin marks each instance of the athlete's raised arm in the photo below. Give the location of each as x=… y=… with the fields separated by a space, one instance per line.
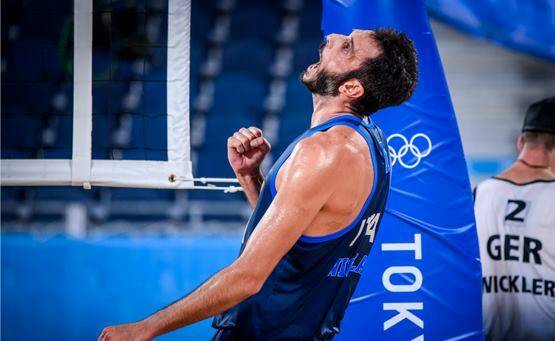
x=305 y=187
x=246 y=150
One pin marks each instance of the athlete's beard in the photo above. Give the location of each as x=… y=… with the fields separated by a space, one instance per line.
x=324 y=83
x=327 y=84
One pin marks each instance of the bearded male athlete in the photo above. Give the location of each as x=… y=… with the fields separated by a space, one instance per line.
x=316 y=213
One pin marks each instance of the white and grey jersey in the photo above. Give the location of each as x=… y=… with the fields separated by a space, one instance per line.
x=516 y=233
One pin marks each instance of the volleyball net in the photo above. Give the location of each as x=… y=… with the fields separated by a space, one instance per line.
x=101 y=98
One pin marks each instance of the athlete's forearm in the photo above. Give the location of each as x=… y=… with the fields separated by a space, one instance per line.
x=251 y=183
x=224 y=290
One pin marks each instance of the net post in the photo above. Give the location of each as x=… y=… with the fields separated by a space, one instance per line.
x=178 y=54
x=82 y=94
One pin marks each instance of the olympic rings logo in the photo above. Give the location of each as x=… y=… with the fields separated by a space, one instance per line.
x=409 y=146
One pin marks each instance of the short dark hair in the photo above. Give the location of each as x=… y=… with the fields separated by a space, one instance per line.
x=540 y=139
x=391 y=77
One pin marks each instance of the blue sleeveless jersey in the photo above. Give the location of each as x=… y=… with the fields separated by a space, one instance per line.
x=307 y=293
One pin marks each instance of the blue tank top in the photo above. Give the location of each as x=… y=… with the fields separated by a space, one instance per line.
x=307 y=293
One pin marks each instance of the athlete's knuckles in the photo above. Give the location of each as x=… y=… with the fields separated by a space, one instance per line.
x=257 y=132
x=240 y=137
x=248 y=136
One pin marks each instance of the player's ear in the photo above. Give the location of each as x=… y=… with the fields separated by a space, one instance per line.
x=352 y=88
x=520 y=143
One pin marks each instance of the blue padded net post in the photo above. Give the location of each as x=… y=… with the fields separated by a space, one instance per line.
x=423 y=276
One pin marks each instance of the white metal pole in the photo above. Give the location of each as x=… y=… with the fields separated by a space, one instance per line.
x=82 y=93
x=179 y=32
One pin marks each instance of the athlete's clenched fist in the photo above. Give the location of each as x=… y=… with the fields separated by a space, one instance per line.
x=246 y=149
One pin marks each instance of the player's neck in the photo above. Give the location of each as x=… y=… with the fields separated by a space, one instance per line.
x=326 y=108
x=535 y=157
x=532 y=164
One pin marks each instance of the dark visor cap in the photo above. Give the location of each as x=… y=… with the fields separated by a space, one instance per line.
x=540 y=117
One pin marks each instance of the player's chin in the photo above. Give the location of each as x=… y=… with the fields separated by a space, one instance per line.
x=308 y=75
x=312 y=68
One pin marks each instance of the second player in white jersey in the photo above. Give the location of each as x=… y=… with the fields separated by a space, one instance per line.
x=516 y=232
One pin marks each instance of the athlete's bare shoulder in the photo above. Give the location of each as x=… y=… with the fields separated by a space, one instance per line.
x=337 y=153
x=314 y=159
x=319 y=151
x=339 y=143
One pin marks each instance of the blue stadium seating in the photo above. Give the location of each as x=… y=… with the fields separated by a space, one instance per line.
x=36 y=67
x=258 y=15
x=238 y=94
x=16 y=98
x=53 y=62
x=13 y=134
x=103 y=124
x=297 y=97
x=139 y=194
x=195 y=55
x=53 y=25
x=55 y=153
x=148 y=133
x=14 y=193
x=201 y=19
x=144 y=154
x=157 y=64
x=107 y=96
x=153 y=99
x=64 y=193
x=310 y=21
x=17 y=153
x=101 y=65
x=121 y=70
x=306 y=53
x=43 y=7
x=30 y=34
x=63 y=125
x=251 y=56
x=24 y=65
